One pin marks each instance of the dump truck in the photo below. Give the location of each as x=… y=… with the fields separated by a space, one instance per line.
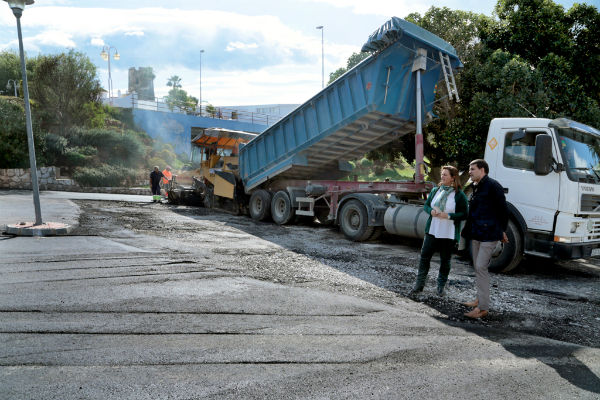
x=296 y=168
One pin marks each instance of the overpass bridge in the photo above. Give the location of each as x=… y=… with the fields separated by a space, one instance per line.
x=174 y=125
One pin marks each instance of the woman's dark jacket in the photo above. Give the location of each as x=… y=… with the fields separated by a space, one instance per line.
x=461 y=210
x=488 y=213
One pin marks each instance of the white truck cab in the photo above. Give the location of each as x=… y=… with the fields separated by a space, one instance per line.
x=550 y=171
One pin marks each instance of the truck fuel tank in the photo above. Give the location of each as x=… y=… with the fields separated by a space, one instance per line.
x=406 y=220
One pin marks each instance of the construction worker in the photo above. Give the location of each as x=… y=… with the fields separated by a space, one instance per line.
x=155 y=177
x=166 y=179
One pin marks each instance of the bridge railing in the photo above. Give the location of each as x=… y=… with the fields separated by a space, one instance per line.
x=208 y=111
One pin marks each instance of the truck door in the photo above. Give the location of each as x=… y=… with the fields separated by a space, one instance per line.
x=536 y=197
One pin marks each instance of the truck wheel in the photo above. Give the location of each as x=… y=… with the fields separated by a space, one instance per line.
x=354 y=221
x=281 y=208
x=260 y=205
x=512 y=252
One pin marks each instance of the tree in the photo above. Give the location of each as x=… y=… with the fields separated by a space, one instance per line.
x=14 y=152
x=174 y=82
x=178 y=97
x=353 y=60
x=66 y=90
x=10 y=68
x=211 y=110
x=585 y=56
x=564 y=46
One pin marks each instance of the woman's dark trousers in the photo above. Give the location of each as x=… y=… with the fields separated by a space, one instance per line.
x=431 y=245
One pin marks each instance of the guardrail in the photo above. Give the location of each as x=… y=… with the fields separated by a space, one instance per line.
x=204 y=111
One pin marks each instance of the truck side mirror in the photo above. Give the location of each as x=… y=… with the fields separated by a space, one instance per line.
x=542 y=162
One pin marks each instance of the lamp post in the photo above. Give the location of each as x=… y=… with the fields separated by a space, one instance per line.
x=105 y=54
x=17 y=7
x=14 y=85
x=200 y=98
x=322 y=28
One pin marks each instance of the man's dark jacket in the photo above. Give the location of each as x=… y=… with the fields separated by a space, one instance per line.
x=488 y=213
x=155 y=178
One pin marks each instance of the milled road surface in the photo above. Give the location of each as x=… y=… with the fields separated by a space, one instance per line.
x=152 y=301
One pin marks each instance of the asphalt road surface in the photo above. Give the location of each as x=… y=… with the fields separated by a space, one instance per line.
x=153 y=301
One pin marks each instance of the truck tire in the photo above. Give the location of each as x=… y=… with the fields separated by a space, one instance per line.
x=512 y=252
x=281 y=208
x=260 y=205
x=354 y=221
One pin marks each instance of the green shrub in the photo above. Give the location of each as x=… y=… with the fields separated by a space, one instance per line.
x=106 y=175
x=113 y=147
x=14 y=151
x=73 y=158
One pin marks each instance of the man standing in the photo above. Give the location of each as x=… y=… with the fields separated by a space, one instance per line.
x=486 y=225
x=155 y=177
x=167 y=176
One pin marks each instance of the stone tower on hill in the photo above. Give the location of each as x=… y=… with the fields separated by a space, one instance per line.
x=141 y=81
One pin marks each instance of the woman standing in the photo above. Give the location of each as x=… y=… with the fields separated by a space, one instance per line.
x=447 y=206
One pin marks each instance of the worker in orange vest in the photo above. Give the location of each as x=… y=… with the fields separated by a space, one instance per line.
x=167 y=177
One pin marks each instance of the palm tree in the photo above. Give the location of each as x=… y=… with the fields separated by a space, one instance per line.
x=174 y=81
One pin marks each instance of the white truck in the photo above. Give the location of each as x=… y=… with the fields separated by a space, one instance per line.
x=550 y=171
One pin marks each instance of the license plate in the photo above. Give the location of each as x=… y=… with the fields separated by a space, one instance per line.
x=596 y=252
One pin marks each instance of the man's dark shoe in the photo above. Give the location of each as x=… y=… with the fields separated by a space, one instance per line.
x=440 y=291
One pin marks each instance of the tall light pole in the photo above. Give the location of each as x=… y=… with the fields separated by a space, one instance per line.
x=322 y=28
x=14 y=85
x=17 y=7
x=200 y=98
x=105 y=54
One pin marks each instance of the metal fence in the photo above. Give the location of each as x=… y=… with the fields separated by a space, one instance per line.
x=204 y=111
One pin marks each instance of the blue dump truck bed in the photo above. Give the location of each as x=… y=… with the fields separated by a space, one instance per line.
x=367 y=107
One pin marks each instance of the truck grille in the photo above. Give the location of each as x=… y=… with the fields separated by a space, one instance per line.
x=590 y=203
x=595 y=232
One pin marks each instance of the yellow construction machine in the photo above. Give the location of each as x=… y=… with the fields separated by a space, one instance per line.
x=216 y=184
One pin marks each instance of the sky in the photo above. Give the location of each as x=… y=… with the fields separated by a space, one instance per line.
x=255 y=52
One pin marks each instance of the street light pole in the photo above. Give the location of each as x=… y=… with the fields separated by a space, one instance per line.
x=322 y=28
x=17 y=9
x=200 y=98
x=105 y=54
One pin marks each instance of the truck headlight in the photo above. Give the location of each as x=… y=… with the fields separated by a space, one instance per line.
x=568 y=239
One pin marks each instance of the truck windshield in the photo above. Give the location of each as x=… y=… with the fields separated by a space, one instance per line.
x=581 y=154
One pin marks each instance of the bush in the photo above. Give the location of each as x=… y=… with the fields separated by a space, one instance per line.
x=106 y=175
x=113 y=147
x=14 y=151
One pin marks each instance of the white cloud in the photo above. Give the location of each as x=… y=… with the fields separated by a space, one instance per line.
x=97 y=42
x=134 y=33
x=386 y=8
x=285 y=83
x=231 y=46
x=287 y=67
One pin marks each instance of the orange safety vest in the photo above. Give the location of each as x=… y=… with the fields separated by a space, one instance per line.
x=167 y=176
